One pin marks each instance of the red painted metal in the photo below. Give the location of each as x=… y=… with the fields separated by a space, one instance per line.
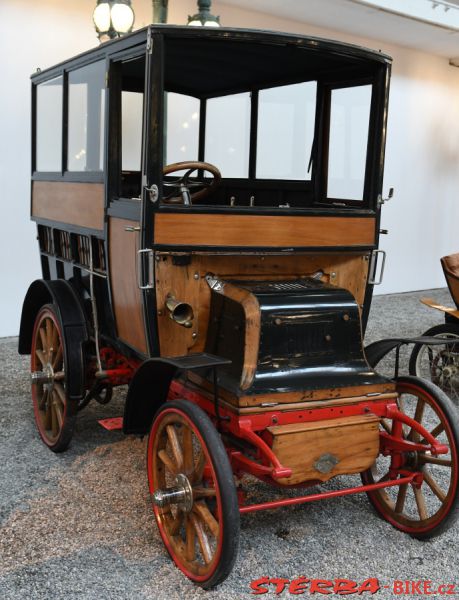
x=324 y=495
x=435 y=448
x=112 y=424
x=118 y=370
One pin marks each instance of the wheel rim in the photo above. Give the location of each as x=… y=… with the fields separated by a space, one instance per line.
x=440 y=364
x=192 y=533
x=48 y=377
x=411 y=508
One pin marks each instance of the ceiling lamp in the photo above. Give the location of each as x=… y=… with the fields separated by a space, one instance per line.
x=204 y=18
x=113 y=18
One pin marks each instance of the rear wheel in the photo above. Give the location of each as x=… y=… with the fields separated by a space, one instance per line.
x=427 y=510
x=55 y=413
x=193 y=492
x=439 y=363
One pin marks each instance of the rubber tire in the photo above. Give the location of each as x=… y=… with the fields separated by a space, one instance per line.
x=225 y=479
x=444 y=328
x=66 y=434
x=451 y=415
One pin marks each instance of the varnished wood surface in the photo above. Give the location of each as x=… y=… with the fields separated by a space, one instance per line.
x=187 y=283
x=308 y=399
x=80 y=204
x=126 y=296
x=354 y=441
x=174 y=229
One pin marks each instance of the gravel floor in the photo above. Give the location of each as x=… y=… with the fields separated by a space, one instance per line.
x=79 y=525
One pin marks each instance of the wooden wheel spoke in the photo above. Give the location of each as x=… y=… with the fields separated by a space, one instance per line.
x=204 y=492
x=54 y=421
x=201 y=509
x=200 y=464
x=190 y=548
x=175 y=523
x=44 y=344
x=418 y=414
x=43 y=399
x=47 y=423
x=203 y=540
x=435 y=432
x=401 y=497
x=436 y=489
x=58 y=410
x=57 y=358
x=420 y=503
x=175 y=446
x=49 y=334
x=60 y=392
x=167 y=461
x=383 y=478
x=188 y=457
x=41 y=356
x=434 y=460
x=386 y=425
x=53 y=342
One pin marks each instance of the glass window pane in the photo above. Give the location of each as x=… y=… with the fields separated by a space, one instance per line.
x=85 y=120
x=349 y=122
x=49 y=126
x=131 y=130
x=228 y=134
x=182 y=128
x=286 y=117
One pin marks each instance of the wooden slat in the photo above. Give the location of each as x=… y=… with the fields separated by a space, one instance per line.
x=80 y=204
x=173 y=229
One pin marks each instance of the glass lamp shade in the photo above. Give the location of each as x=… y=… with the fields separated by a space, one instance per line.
x=113 y=18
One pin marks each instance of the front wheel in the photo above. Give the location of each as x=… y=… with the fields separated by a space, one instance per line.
x=439 y=363
x=427 y=510
x=193 y=492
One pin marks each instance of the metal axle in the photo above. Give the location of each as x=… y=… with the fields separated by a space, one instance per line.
x=181 y=494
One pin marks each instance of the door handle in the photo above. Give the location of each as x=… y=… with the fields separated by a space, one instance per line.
x=131 y=228
x=150 y=285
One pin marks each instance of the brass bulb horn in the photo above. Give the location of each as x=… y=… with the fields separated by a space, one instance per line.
x=180 y=312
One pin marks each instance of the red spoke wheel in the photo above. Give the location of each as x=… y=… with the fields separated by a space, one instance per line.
x=423 y=511
x=193 y=492
x=54 y=412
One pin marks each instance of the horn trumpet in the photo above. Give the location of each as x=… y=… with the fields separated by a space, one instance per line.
x=180 y=312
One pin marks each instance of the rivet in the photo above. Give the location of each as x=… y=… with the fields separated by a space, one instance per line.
x=346 y=317
x=274 y=419
x=278 y=321
x=194 y=335
x=328 y=338
x=196 y=275
x=160 y=313
x=333 y=275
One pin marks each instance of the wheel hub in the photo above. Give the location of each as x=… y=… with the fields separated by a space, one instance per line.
x=181 y=495
x=46 y=376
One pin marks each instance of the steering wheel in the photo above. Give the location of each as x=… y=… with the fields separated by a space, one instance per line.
x=181 y=193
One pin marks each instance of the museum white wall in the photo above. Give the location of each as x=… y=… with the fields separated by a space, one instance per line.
x=422 y=145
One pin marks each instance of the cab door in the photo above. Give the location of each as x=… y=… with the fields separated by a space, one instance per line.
x=127 y=275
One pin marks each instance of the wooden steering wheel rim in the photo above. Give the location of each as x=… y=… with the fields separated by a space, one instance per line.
x=195 y=164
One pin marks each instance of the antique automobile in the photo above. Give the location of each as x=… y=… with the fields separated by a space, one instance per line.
x=208 y=205
x=439 y=362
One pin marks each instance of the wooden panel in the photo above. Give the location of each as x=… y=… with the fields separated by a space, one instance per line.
x=309 y=399
x=267 y=231
x=352 y=441
x=187 y=283
x=126 y=296
x=80 y=204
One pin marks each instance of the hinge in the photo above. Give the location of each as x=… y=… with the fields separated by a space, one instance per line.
x=149 y=41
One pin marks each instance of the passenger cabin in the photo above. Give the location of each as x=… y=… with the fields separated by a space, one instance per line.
x=282 y=143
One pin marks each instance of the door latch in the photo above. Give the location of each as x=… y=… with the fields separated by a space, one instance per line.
x=153 y=193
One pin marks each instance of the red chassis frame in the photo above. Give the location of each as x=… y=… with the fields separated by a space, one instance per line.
x=265 y=465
